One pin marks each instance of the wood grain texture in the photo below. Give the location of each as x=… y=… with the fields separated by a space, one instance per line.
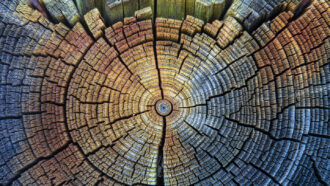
x=246 y=98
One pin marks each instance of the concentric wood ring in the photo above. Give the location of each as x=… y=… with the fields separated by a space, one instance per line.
x=92 y=93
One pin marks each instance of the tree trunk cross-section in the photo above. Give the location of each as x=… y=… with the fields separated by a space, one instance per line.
x=156 y=92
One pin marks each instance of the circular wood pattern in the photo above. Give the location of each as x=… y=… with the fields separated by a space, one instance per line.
x=163 y=107
x=240 y=100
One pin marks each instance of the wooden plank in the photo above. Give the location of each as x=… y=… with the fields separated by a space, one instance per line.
x=116 y=10
x=130 y=6
x=171 y=9
x=204 y=10
x=85 y=5
x=218 y=8
x=190 y=7
x=146 y=3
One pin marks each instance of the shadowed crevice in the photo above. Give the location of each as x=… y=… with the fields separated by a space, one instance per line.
x=160 y=159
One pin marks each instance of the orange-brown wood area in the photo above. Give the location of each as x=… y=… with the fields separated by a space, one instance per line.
x=164 y=101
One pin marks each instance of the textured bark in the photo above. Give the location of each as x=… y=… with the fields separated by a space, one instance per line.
x=239 y=101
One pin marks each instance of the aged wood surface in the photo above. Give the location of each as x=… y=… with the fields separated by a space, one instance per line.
x=102 y=93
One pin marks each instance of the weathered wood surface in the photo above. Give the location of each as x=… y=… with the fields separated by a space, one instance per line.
x=250 y=13
x=249 y=101
x=62 y=10
x=143 y=14
x=209 y=10
x=85 y=6
x=95 y=23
